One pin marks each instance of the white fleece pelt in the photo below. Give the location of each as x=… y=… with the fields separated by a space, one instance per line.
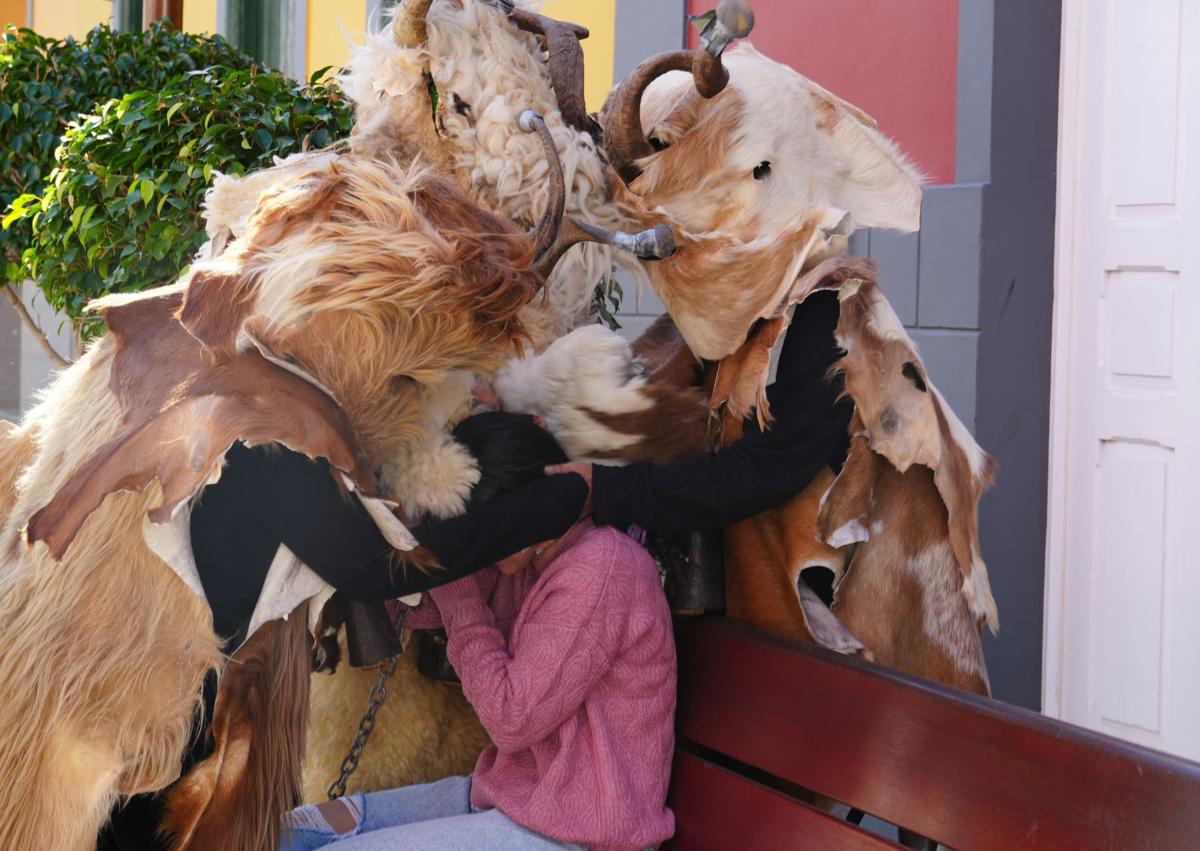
x=590 y=369
x=486 y=72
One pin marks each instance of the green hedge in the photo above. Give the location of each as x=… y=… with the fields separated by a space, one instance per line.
x=121 y=209
x=46 y=83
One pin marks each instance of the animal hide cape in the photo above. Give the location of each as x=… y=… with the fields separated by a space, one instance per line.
x=181 y=418
x=356 y=287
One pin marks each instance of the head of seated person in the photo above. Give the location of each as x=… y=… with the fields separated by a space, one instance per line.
x=511 y=450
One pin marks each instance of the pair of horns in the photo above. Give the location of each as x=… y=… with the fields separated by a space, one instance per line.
x=564 y=54
x=552 y=236
x=555 y=233
x=625 y=141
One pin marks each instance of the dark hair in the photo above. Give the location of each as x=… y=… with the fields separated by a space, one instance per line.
x=511 y=449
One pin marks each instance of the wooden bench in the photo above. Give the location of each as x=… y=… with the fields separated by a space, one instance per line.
x=765 y=722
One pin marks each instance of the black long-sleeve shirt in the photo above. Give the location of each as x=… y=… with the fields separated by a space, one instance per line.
x=761 y=470
x=271 y=496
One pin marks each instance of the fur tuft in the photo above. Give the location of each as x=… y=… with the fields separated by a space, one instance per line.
x=235 y=799
x=590 y=369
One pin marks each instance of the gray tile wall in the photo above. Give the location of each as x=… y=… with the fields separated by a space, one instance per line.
x=932 y=282
x=10 y=358
x=643 y=30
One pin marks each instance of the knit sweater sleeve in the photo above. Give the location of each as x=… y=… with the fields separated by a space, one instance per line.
x=559 y=651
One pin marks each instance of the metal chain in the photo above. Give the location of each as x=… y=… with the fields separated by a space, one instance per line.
x=366 y=726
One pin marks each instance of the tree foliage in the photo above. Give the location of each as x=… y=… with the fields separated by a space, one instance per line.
x=46 y=83
x=120 y=212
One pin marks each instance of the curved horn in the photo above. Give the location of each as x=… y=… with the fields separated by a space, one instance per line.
x=564 y=62
x=625 y=141
x=408 y=26
x=554 y=234
x=656 y=243
x=545 y=233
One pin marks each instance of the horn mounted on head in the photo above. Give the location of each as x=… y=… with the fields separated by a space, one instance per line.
x=625 y=141
x=564 y=62
x=555 y=233
x=552 y=236
x=408 y=25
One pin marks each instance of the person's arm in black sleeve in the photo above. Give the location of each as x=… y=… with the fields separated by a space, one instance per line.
x=761 y=470
x=299 y=502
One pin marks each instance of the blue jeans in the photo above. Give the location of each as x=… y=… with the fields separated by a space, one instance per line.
x=431 y=817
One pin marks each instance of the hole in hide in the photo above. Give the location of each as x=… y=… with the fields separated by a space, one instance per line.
x=820 y=579
x=910 y=371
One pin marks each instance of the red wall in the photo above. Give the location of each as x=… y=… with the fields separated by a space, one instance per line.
x=896 y=59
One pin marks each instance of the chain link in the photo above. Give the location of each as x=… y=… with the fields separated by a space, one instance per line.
x=366 y=726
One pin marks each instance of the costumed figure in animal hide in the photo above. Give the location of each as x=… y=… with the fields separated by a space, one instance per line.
x=444 y=80
x=337 y=316
x=761 y=175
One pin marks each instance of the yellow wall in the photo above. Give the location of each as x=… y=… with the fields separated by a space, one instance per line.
x=12 y=12
x=200 y=16
x=600 y=17
x=332 y=26
x=61 y=18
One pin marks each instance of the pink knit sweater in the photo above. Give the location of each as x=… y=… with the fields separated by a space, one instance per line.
x=570 y=666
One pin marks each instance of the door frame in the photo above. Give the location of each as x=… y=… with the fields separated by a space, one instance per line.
x=1065 y=276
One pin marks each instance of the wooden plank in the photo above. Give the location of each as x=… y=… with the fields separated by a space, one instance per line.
x=969 y=772
x=716 y=810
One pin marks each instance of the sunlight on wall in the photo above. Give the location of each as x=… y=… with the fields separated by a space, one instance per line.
x=13 y=12
x=333 y=30
x=61 y=18
x=600 y=17
x=200 y=16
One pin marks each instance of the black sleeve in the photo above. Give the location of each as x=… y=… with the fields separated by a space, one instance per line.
x=761 y=470
x=299 y=502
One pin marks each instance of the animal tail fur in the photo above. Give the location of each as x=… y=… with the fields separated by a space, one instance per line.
x=237 y=797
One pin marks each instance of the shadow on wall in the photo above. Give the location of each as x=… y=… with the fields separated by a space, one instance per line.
x=24 y=366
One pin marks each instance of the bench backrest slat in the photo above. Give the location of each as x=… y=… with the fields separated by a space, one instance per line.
x=724 y=811
x=968 y=772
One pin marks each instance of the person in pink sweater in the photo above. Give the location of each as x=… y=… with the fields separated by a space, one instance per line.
x=566 y=652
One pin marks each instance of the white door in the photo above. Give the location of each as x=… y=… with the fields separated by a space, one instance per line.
x=1122 y=643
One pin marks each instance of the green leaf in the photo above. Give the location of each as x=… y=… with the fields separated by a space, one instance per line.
x=101 y=127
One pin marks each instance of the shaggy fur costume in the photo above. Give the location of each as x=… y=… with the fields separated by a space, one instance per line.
x=103 y=667
x=425 y=731
x=376 y=281
x=486 y=72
